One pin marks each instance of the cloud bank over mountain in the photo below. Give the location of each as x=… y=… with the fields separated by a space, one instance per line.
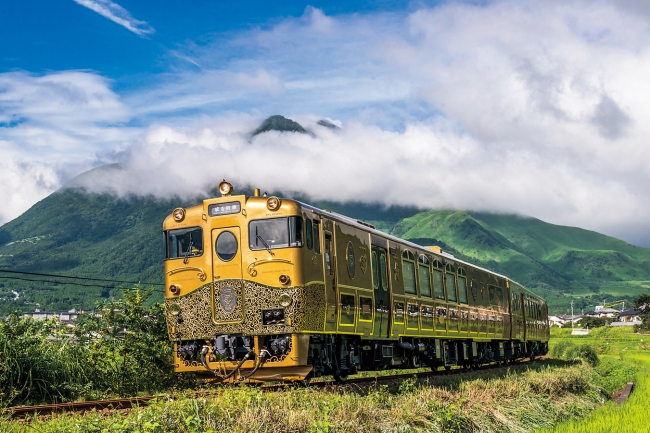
x=529 y=107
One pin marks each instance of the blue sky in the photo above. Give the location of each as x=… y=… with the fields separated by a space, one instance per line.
x=45 y=35
x=531 y=107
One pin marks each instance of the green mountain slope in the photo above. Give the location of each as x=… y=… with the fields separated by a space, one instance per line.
x=100 y=236
x=90 y=235
x=553 y=260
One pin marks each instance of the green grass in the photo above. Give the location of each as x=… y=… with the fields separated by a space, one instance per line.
x=516 y=400
x=625 y=356
x=632 y=416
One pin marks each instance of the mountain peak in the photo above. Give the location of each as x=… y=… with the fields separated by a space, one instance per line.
x=102 y=175
x=281 y=124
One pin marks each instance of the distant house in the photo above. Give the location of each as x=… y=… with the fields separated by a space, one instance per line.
x=602 y=312
x=555 y=321
x=566 y=318
x=628 y=318
x=64 y=317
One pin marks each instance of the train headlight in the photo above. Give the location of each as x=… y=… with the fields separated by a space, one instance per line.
x=174 y=309
x=178 y=214
x=225 y=188
x=174 y=289
x=273 y=203
x=285 y=300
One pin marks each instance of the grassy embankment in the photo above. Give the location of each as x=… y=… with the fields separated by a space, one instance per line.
x=510 y=401
x=619 y=347
x=523 y=399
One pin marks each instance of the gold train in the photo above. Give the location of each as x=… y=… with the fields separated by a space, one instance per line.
x=265 y=289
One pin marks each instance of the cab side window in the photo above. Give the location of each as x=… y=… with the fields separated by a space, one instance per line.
x=309 y=235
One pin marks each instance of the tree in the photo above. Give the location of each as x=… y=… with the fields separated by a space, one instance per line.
x=593 y=322
x=642 y=303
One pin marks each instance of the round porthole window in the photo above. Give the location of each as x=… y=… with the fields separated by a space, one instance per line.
x=351 y=262
x=226 y=246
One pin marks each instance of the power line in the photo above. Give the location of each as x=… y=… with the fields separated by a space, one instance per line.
x=70 y=283
x=7 y=271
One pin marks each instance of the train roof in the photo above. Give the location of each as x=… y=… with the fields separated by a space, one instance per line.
x=371 y=229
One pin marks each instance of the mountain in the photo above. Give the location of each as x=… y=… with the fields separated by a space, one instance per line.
x=281 y=124
x=72 y=232
x=554 y=260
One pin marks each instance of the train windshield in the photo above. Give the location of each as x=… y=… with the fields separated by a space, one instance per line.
x=184 y=242
x=275 y=233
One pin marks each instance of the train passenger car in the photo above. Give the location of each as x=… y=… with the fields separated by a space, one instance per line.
x=262 y=288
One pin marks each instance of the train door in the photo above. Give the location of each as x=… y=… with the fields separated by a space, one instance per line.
x=226 y=266
x=330 y=280
x=381 y=291
x=226 y=259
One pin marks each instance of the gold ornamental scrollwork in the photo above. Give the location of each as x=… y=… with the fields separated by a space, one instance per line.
x=251 y=268
x=201 y=274
x=363 y=263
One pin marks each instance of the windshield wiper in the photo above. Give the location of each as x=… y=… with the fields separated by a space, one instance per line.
x=188 y=253
x=268 y=248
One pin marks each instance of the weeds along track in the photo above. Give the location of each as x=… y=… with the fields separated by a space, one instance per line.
x=354 y=384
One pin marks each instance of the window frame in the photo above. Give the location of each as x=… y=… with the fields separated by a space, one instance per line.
x=282 y=246
x=168 y=243
x=408 y=257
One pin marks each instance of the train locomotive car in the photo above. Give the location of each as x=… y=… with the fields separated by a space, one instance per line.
x=265 y=289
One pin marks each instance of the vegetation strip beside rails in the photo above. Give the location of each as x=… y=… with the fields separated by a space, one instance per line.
x=499 y=400
x=127 y=403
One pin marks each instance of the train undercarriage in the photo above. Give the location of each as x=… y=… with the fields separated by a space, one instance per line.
x=299 y=357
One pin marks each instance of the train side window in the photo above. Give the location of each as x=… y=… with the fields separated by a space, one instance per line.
x=295 y=232
x=438 y=288
x=425 y=276
x=309 y=234
x=462 y=286
x=328 y=254
x=451 y=283
x=375 y=271
x=408 y=270
x=316 y=237
x=383 y=271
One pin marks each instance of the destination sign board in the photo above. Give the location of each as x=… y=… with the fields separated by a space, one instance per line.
x=224 y=208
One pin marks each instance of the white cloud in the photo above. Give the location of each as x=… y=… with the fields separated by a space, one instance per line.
x=117 y=14
x=51 y=127
x=530 y=107
x=23 y=184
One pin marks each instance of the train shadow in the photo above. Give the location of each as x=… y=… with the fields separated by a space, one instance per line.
x=453 y=379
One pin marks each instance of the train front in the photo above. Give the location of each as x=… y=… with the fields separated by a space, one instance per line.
x=235 y=297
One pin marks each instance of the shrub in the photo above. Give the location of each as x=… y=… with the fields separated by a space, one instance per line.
x=38 y=363
x=583 y=352
x=122 y=350
x=560 y=349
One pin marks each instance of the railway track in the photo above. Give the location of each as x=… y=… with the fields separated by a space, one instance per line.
x=362 y=383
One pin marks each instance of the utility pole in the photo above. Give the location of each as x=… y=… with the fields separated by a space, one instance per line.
x=572 y=316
